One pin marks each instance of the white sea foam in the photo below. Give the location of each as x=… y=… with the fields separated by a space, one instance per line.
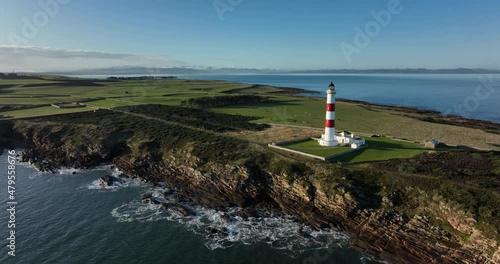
x=119 y=183
x=366 y=259
x=35 y=173
x=68 y=171
x=221 y=231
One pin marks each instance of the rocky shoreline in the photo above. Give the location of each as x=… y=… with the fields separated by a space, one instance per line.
x=382 y=234
x=365 y=211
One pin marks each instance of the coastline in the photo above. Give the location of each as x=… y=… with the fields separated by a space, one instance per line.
x=434 y=116
x=281 y=83
x=382 y=206
x=383 y=236
x=351 y=205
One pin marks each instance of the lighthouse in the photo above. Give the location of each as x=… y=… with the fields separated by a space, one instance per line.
x=329 y=139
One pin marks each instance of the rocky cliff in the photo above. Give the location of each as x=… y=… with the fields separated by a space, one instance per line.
x=383 y=234
x=371 y=213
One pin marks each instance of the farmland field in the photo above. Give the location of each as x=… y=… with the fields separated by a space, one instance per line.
x=282 y=106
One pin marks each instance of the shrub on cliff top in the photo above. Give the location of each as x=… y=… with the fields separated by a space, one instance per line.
x=197 y=118
x=218 y=101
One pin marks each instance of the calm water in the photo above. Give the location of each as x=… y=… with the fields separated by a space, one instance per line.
x=446 y=93
x=439 y=92
x=65 y=218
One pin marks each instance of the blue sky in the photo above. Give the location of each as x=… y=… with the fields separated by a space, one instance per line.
x=288 y=34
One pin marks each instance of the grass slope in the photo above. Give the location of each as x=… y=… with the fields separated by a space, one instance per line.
x=283 y=109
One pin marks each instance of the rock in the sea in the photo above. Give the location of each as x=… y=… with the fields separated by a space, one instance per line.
x=40 y=166
x=147 y=196
x=108 y=180
x=305 y=234
x=168 y=192
x=179 y=208
x=216 y=231
x=151 y=200
x=247 y=212
x=183 y=210
x=36 y=165
x=228 y=218
x=124 y=176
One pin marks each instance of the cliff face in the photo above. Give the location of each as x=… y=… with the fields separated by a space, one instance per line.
x=388 y=212
x=382 y=233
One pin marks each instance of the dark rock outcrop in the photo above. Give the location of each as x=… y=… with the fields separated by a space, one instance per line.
x=378 y=232
x=108 y=180
x=179 y=208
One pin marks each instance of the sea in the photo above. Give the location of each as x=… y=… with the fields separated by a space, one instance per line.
x=69 y=217
x=475 y=96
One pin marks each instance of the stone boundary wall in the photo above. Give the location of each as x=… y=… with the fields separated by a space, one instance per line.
x=297 y=152
x=276 y=146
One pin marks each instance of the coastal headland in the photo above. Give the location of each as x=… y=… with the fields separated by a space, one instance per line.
x=208 y=140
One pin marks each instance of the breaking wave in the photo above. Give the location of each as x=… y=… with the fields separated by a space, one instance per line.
x=225 y=229
x=34 y=173
x=122 y=183
x=117 y=183
x=70 y=171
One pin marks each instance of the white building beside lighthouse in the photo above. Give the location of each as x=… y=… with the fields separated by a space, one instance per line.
x=331 y=138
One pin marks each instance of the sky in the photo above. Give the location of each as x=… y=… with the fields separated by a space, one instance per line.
x=47 y=35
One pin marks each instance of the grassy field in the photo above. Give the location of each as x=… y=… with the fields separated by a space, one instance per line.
x=202 y=138
x=383 y=148
x=108 y=93
x=312 y=147
x=379 y=148
x=285 y=109
x=42 y=111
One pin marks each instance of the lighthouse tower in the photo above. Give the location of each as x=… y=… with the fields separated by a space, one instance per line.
x=328 y=139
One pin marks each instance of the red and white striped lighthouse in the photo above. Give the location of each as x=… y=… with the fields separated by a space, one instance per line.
x=328 y=139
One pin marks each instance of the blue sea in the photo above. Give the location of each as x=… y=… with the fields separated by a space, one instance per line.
x=70 y=218
x=474 y=96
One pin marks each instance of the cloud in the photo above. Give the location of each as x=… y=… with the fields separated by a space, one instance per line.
x=31 y=58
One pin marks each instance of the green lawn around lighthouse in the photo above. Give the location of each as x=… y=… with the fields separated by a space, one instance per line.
x=383 y=148
x=312 y=146
x=378 y=148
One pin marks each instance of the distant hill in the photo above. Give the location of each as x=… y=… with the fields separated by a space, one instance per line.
x=415 y=70
x=130 y=70
x=188 y=70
